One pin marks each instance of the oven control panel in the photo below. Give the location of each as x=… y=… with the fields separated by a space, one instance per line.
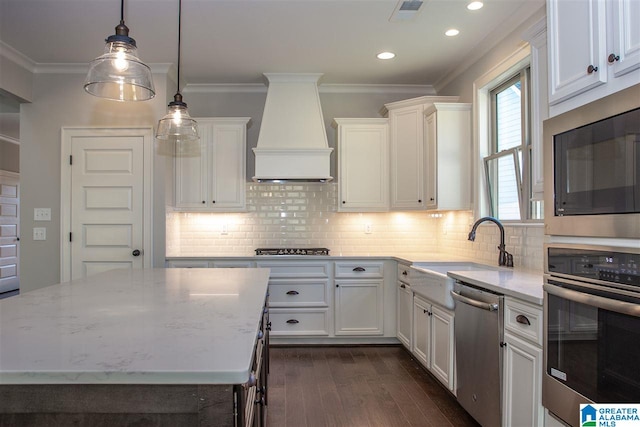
x=604 y=265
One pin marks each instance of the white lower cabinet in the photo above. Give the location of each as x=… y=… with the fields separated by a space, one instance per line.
x=433 y=340
x=359 y=307
x=522 y=370
x=299 y=297
x=405 y=313
x=359 y=298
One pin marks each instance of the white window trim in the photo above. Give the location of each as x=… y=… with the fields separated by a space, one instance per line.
x=482 y=87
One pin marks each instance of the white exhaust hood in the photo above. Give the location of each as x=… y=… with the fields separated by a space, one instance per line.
x=292 y=144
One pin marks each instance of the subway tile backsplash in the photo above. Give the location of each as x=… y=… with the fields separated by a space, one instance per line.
x=305 y=215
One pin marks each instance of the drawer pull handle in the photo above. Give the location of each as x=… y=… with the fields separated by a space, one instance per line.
x=293 y=293
x=520 y=318
x=404 y=273
x=359 y=269
x=403 y=286
x=292 y=321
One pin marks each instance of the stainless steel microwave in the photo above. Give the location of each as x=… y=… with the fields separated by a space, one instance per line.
x=592 y=168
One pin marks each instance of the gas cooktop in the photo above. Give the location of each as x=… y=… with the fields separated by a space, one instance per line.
x=292 y=251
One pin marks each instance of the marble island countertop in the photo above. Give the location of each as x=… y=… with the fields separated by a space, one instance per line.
x=152 y=326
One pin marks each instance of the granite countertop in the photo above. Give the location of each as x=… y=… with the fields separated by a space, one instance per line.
x=524 y=285
x=148 y=326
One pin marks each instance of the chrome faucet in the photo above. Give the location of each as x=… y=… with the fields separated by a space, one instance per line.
x=505 y=258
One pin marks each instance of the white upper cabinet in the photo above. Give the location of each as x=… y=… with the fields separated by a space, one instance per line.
x=363 y=165
x=407 y=148
x=447 y=156
x=577 y=47
x=593 y=46
x=624 y=54
x=213 y=178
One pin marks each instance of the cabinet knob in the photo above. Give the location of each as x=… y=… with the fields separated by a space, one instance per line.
x=343 y=202
x=431 y=199
x=419 y=200
x=203 y=202
x=613 y=58
x=293 y=293
x=403 y=286
x=136 y=252
x=292 y=321
x=404 y=273
x=591 y=69
x=503 y=344
x=213 y=201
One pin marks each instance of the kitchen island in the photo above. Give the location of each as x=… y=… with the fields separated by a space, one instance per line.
x=153 y=346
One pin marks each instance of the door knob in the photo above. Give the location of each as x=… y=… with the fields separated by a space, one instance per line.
x=136 y=252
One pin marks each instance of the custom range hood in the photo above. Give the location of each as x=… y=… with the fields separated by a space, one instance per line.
x=292 y=144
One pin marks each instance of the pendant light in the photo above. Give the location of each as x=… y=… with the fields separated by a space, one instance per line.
x=177 y=125
x=118 y=73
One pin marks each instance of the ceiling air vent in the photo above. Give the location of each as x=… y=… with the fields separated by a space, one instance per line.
x=406 y=10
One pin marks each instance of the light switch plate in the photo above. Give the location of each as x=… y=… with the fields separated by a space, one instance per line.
x=42 y=214
x=39 y=233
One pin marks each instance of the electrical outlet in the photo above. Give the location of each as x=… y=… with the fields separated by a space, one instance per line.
x=42 y=214
x=225 y=229
x=368 y=229
x=39 y=233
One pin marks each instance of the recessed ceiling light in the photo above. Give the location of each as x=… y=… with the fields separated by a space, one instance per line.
x=385 y=55
x=475 y=5
x=452 y=32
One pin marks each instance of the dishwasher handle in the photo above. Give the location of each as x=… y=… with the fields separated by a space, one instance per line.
x=475 y=303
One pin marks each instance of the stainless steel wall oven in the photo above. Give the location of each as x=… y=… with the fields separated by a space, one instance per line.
x=592 y=168
x=592 y=327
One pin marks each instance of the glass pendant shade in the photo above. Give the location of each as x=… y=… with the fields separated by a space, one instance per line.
x=177 y=124
x=118 y=73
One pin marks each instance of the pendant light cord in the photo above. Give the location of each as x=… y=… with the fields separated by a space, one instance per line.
x=122 y=11
x=179 y=34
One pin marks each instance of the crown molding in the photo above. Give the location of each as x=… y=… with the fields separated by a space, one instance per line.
x=519 y=17
x=322 y=88
x=16 y=57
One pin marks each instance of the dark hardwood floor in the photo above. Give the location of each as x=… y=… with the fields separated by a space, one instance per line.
x=357 y=387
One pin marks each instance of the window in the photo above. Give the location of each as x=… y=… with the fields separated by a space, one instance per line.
x=508 y=165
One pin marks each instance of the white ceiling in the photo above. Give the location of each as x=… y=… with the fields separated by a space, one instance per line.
x=235 y=41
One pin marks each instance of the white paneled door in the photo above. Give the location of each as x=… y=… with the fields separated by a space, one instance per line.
x=108 y=200
x=9 y=231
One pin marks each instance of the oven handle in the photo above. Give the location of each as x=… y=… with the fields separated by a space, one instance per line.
x=594 y=300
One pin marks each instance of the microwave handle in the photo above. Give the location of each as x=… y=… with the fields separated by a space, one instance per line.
x=594 y=300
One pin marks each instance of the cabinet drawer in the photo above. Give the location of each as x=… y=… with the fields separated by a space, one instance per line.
x=355 y=269
x=299 y=322
x=298 y=293
x=296 y=270
x=404 y=273
x=187 y=264
x=523 y=319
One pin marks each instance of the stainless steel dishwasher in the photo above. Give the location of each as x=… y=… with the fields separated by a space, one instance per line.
x=479 y=338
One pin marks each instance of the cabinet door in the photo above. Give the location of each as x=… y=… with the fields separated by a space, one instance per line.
x=522 y=380
x=431 y=162
x=359 y=308
x=442 y=340
x=406 y=142
x=363 y=166
x=405 y=314
x=422 y=331
x=577 y=47
x=227 y=167
x=625 y=54
x=191 y=174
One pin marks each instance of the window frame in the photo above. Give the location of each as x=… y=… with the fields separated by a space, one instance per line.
x=523 y=166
